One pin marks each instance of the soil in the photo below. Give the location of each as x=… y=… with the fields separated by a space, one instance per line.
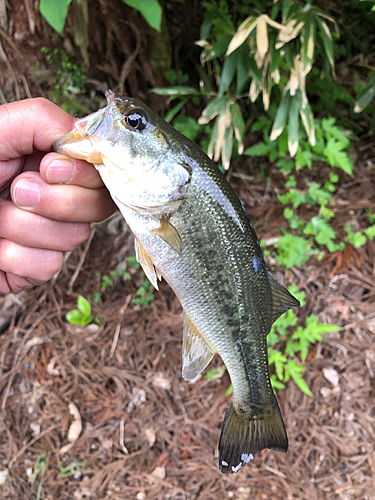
x=102 y=412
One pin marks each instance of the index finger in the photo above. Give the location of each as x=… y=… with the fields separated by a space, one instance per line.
x=29 y=125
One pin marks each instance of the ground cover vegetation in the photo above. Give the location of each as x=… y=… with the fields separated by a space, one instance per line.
x=280 y=94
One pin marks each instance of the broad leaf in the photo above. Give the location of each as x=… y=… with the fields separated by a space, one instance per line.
x=150 y=10
x=55 y=13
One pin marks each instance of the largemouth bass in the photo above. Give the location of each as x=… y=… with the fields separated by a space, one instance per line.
x=191 y=229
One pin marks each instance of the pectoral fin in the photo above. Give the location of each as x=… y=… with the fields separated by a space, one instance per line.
x=282 y=300
x=196 y=353
x=146 y=263
x=169 y=234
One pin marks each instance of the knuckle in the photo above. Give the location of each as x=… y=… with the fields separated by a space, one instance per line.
x=80 y=234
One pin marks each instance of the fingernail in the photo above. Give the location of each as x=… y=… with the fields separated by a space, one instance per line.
x=26 y=193
x=60 y=171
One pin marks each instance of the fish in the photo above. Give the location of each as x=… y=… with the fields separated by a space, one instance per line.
x=191 y=229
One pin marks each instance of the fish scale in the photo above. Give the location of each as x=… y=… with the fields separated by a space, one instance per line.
x=191 y=229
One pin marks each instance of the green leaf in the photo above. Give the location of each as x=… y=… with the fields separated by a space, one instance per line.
x=226 y=150
x=275 y=382
x=294 y=370
x=229 y=391
x=321 y=229
x=227 y=72
x=303 y=158
x=175 y=91
x=293 y=125
x=187 y=126
x=356 y=239
x=55 y=12
x=215 y=373
x=132 y=260
x=260 y=149
x=213 y=108
x=218 y=49
x=366 y=98
x=273 y=338
x=281 y=117
x=150 y=10
x=308 y=122
x=326 y=37
x=75 y=317
x=338 y=158
x=83 y=305
x=293 y=250
x=238 y=125
x=279 y=360
x=370 y=232
x=308 y=44
x=331 y=130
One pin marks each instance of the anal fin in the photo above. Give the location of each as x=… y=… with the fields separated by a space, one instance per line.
x=196 y=353
x=169 y=234
x=146 y=263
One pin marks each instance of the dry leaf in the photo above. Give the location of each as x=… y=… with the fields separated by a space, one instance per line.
x=332 y=376
x=159 y=472
x=75 y=428
x=138 y=397
x=158 y=380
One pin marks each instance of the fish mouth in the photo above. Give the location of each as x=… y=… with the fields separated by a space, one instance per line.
x=74 y=145
x=82 y=142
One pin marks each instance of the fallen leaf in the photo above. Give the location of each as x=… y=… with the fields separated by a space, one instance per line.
x=159 y=472
x=332 y=376
x=75 y=428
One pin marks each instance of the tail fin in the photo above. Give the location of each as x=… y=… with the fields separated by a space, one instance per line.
x=243 y=435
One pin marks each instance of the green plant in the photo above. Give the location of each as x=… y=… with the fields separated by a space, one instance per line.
x=292 y=250
x=215 y=373
x=55 y=12
x=295 y=345
x=68 y=82
x=107 y=279
x=367 y=96
x=82 y=315
x=332 y=146
x=39 y=469
x=72 y=469
x=275 y=47
x=144 y=296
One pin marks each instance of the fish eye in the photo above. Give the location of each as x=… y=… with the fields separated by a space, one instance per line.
x=136 y=119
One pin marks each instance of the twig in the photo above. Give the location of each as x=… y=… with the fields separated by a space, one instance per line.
x=274 y=471
x=118 y=327
x=123 y=447
x=10 y=68
x=81 y=261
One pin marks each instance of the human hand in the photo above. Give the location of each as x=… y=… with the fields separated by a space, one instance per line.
x=47 y=201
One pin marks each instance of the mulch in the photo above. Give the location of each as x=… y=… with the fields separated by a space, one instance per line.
x=111 y=399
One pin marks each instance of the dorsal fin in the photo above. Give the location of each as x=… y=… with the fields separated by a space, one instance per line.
x=282 y=299
x=196 y=353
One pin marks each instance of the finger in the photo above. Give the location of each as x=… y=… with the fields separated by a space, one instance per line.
x=30 y=263
x=67 y=203
x=11 y=283
x=11 y=168
x=38 y=122
x=33 y=230
x=58 y=169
